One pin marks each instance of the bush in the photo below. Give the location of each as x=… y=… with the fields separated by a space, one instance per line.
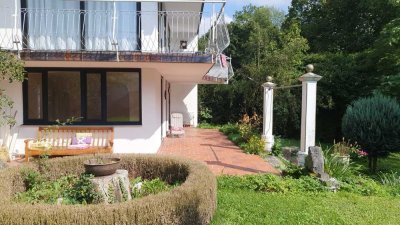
x=374 y=123
x=193 y=202
x=230 y=128
x=277 y=147
x=271 y=183
x=256 y=145
x=69 y=189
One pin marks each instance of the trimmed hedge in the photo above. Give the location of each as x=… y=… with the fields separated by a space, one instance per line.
x=193 y=202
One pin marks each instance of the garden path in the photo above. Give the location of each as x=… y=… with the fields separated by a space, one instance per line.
x=220 y=154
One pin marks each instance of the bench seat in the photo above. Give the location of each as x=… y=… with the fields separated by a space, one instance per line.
x=60 y=138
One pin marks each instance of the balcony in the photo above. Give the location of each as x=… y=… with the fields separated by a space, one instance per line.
x=115 y=35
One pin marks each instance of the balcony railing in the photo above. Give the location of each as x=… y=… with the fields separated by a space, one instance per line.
x=108 y=30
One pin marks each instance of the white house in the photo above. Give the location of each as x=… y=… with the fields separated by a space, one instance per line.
x=122 y=63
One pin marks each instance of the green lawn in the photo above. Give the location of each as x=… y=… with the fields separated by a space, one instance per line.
x=250 y=207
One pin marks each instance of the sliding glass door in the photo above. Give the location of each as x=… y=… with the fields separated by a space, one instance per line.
x=52 y=24
x=75 y=25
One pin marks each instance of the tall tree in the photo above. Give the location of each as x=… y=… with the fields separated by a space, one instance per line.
x=342 y=25
x=259 y=48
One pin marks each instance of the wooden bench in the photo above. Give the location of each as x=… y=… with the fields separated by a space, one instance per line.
x=61 y=137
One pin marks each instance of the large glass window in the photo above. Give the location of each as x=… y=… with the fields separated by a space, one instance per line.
x=122 y=88
x=98 y=97
x=35 y=96
x=64 y=95
x=93 y=96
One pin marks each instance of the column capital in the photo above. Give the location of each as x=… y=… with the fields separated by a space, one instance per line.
x=268 y=84
x=310 y=76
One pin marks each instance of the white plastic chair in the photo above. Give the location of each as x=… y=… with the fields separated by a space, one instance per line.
x=177 y=124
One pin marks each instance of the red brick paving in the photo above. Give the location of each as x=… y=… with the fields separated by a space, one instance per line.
x=219 y=153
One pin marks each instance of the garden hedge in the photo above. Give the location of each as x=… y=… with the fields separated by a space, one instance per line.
x=193 y=202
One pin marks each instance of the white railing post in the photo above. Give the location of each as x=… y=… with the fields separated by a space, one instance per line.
x=268 y=113
x=308 y=109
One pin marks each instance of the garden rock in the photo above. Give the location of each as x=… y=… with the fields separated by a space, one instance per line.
x=275 y=162
x=315 y=160
x=113 y=188
x=290 y=154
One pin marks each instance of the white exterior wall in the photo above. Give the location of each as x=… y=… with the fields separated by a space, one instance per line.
x=145 y=138
x=184 y=100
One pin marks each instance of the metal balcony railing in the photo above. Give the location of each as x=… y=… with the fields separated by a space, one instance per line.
x=112 y=30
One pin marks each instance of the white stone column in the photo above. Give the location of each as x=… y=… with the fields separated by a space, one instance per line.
x=308 y=108
x=268 y=114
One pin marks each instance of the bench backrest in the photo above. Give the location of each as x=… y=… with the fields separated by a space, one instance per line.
x=62 y=136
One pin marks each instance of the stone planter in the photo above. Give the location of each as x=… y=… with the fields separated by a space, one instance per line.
x=102 y=166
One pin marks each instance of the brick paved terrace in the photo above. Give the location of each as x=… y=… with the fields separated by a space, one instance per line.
x=219 y=153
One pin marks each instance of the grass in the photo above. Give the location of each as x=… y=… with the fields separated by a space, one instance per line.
x=250 y=207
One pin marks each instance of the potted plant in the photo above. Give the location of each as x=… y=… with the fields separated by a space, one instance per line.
x=343 y=149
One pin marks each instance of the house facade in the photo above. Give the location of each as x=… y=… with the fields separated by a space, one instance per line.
x=125 y=64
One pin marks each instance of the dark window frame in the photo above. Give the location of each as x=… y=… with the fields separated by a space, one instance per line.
x=83 y=82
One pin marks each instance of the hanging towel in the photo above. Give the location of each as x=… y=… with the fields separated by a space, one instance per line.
x=223 y=61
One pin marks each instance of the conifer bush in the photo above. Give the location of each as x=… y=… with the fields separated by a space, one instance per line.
x=192 y=202
x=374 y=123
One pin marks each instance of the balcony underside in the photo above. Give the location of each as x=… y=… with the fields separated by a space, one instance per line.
x=112 y=56
x=173 y=71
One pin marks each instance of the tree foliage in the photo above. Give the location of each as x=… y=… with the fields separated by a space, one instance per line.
x=342 y=25
x=11 y=69
x=259 y=48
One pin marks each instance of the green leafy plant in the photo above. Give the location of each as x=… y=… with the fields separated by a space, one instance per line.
x=67 y=189
x=374 y=123
x=271 y=183
x=277 y=147
x=336 y=166
x=294 y=171
x=255 y=145
x=141 y=188
x=390 y=179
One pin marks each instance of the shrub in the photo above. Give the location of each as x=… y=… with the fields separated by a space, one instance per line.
x=374 y=123
x=193 y=202
x=256 y=145
x=230 y=128
x=69 y=189
x=271 y=183
x=362 y=185
x=277 y=147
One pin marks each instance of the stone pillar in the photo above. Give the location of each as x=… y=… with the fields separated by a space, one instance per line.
x=268 y=113
x=308 y=109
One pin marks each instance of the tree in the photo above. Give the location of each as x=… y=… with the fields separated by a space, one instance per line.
x=11 y=70
x=259 y=48
x=387 y=55
x=373 y=122
x=342 y=25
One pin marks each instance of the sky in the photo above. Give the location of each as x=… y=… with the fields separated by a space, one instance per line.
x=236 y=5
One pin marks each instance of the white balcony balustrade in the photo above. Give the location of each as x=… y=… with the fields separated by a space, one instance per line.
x=112 y=30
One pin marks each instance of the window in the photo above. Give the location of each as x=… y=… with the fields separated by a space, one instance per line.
x=98 y=97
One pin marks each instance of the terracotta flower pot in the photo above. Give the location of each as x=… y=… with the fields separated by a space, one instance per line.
x=102 y=166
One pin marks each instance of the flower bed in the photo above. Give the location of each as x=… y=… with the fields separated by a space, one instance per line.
x=193 y=202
